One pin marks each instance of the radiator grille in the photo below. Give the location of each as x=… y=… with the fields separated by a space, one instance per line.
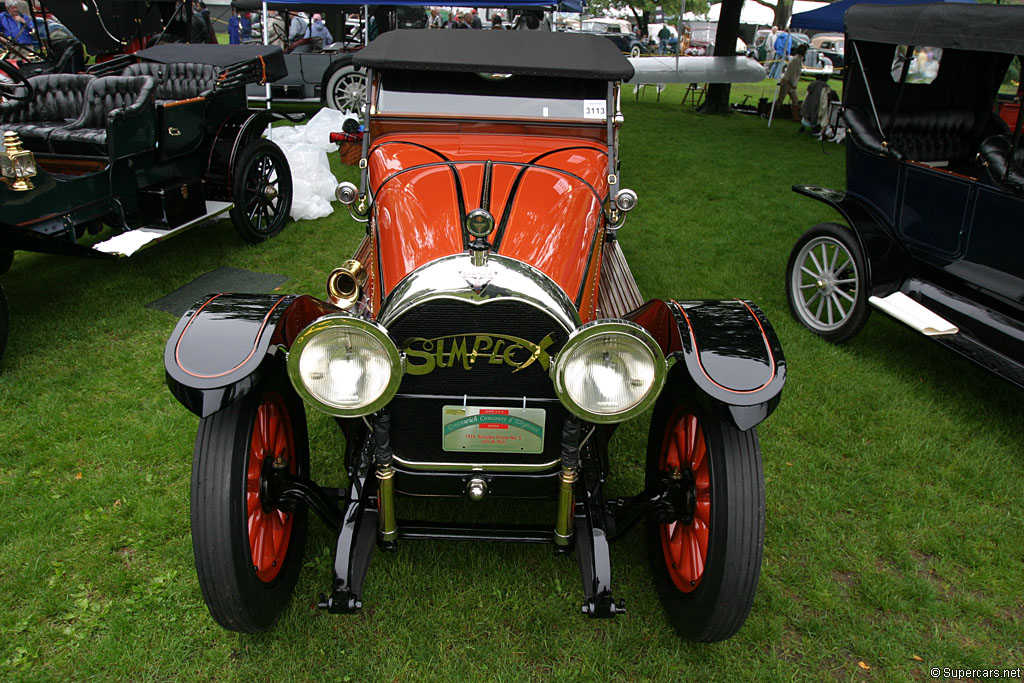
x=439 y=337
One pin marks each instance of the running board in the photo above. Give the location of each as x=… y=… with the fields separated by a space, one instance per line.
x=133 y=241
x=908 y=311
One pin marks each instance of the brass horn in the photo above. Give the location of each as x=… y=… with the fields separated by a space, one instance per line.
x=345 y=284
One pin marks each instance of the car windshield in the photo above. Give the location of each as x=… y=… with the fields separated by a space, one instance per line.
x=491 y=95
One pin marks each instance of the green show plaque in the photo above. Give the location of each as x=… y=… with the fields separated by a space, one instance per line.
x=492 y=430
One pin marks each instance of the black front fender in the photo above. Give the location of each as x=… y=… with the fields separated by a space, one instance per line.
x=726 y=356
x=226 y=344
x=886 y=258
x=218 y=349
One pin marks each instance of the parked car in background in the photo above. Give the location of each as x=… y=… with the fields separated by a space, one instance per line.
x=833 y=46
x=620 y=32
x=326 y=73
x=143 y=148
x=482 y=343
x=702 y=39
x=934 y=196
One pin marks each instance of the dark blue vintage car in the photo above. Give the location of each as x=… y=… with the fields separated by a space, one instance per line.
x=934 y=194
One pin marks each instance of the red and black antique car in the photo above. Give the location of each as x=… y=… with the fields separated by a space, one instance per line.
x=484 y=341
x=934 y=187
x=106 y=163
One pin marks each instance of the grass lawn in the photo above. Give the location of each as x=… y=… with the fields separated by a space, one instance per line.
x=894 y=540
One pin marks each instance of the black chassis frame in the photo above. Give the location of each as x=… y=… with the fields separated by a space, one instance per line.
x=597 y=520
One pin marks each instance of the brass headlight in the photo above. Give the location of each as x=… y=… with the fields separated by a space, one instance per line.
x=345 y=366
x=609 y=371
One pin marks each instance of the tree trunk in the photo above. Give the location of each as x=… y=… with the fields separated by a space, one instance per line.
x=642 y=19
x=717 y=99
x=783 y=12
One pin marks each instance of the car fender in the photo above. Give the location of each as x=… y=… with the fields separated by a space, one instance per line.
x=339 y=63
x=237 y=130
x=723 y=355
x=887 y=260
x=226 y=344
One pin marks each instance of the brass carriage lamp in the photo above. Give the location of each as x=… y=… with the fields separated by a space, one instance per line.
x=17 y=165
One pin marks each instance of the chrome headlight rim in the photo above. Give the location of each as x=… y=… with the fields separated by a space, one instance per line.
x=614 y=327
x=337 y=321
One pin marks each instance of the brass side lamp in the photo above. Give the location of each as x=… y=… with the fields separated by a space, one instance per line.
x=17 y=165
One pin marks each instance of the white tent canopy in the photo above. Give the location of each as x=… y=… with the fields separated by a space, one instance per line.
x=759 y=15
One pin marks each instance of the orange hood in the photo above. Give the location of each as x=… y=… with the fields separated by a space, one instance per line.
x=545 y=195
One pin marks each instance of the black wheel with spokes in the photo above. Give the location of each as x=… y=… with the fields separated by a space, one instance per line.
x=261 y=191
x=705 y=552
x=247 y=550
x=827 y=282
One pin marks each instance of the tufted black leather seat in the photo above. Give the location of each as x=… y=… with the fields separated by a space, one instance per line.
x=941 y=135
x=995 y=154
x=57 y=100
x=107 y=99
x=177 y=81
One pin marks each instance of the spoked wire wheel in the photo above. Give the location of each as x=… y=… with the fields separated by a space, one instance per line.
x=248 y=551
x=262 y=192
x=684 y=541
x=826 y=282
x=346 y=89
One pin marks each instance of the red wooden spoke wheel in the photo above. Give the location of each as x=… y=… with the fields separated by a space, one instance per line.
x=270 y=529
x=685 y=540
x=248 y=552
x=705 y=546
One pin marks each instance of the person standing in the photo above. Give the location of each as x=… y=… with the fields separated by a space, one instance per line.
x=664 y=36
x=15 y=26
x=245 y=27
x=208 y=35
x=790 y=80
x=277 y=34
x=435 y=20
x=783 y=42
x=318 y=30
x=769 y=46
x=496 y=23
x=234 y=28
x=297 y=27
x=474 y=20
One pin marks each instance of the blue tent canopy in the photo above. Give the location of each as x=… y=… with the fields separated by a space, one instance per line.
x=830 y=17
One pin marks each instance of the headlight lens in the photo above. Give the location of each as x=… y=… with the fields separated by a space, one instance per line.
x=609 y=371
x=345 y=366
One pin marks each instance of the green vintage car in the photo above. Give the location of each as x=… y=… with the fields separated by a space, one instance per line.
x=107 y=163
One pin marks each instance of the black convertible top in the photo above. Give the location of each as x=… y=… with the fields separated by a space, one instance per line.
x=270 y=57
x=529 y=53
x=984 y=28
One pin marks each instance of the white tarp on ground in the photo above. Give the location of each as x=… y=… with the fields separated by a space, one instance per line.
x=306 y=147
